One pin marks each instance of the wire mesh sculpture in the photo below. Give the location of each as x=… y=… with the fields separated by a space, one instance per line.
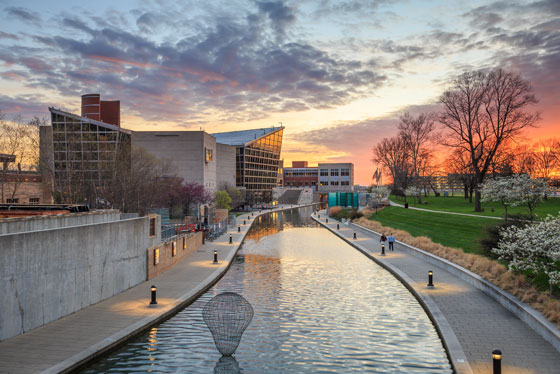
x=227 y=316
x=227 y=365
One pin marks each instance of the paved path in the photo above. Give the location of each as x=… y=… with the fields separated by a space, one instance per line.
x=62 y=344
x=472 y=323
x=392 y=203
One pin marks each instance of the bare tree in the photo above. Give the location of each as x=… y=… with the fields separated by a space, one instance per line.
x=545 y=157
x=394 y=156
x=417 y=134
x=523 y=160
x=459 y=170
x=481 y=112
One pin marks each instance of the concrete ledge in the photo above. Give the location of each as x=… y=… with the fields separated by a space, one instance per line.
x=453 y=348
x=524 y=312
x=114 y=341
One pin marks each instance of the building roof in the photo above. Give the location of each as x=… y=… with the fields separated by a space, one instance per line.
x=89 y=120
x=244 y=136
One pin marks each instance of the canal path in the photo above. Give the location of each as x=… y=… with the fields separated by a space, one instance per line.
x=472 y=323
x=320 y=307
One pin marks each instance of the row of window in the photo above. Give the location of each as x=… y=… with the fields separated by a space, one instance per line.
x=334 y=183
x=32 y=200
x=334 y=172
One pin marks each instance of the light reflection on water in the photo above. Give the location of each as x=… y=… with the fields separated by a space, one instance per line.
x=320 y=307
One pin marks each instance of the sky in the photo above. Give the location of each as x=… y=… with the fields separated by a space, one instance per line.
x=336 y=73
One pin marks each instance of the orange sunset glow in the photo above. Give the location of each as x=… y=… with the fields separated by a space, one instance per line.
x=337 y=75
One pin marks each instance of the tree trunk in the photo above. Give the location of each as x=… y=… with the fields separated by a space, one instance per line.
x=477 y=205
x=466 y=188
x=505 y=207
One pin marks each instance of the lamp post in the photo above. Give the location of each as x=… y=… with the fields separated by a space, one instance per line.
x=153 y=290
x=497 y=361
x=430 y=279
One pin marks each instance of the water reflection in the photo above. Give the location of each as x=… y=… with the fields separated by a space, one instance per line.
x=227 y=365
x=320 y=307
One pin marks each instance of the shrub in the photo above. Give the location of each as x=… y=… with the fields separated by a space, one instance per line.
x=492 y=237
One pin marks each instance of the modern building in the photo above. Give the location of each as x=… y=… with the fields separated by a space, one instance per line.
x=77 y=151
x=101 y=110
x=195 y=155
x=301 y=175
x=257 y=160
x=338 y=177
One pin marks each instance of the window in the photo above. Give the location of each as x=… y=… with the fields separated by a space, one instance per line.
x=344 y=183
x=33 y=200
x=152 y=227
x=173 y=249
x=345 y=172
x=324 y=172
x=334 y=172
x=334 y=183
x=324 y=183
x=12 y=201
x=209 y=155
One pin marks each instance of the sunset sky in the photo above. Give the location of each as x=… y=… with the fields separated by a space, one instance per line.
x=336 y=74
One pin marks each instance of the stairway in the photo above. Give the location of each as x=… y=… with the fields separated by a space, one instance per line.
x=290 y=197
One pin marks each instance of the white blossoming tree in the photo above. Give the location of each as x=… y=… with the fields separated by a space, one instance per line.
x=518 y=189
x=535 y=247
x=412 y=191
x=500 y=190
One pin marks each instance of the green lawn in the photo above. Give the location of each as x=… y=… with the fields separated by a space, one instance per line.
x=447 y=229
x=461 y=205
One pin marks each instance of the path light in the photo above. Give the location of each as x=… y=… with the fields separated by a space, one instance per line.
x=382 y=249
x=318 y=215
x=215 y=257
x=238 y=228
x=354 y=234
x=153 y=290
x=230 y=239
x=244 y=222
x=327 y=220
x=497 y=358
x=338 y=226
x=251 y=214
x=431 y=279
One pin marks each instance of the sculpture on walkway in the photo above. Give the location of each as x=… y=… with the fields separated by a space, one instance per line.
x=227 y=316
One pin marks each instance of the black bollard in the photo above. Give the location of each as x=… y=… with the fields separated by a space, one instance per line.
x=497 y=358
x=215 y=257
x=354 y=234
x=153 y=290
x=338 y=226
x=382 y=249
x=230 y=239
x=327 y=220
x=431 y=279
x=318 y=215
x=238 y=228
x=244 y=222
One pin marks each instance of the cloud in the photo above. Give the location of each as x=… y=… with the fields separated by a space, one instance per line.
x=5 y=35
x=28 y=105
x=279 y=14
x=24 y=14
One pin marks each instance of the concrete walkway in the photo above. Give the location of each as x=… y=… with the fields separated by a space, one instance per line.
x=392 y=203
x=63 y=345
x=471 y=323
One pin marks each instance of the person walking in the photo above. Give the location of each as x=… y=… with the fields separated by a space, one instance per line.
x=383 y=239
x=391 y=240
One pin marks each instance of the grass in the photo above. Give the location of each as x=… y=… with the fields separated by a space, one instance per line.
x=461 y=205
x=450 y=230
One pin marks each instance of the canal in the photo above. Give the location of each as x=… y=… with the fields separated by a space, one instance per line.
x=320 y=307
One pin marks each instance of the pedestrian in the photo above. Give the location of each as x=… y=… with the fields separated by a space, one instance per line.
x=383 y=239
x=391 y=240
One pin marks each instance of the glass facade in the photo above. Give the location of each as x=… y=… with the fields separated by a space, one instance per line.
x=83 y=151
x=257 y=164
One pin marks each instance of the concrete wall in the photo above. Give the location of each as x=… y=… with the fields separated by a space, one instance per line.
x=225 y=165
x=48 y=274
x=184 y=244
x=185 y=149
x=23 y=224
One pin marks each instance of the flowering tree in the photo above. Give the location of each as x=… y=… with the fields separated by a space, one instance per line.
x=535 y=247
x=412 y=191
x=518 y=189
x=500 y=189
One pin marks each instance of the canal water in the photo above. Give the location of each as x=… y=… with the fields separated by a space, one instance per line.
x=320 y=307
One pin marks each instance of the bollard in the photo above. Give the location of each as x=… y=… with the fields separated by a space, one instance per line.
x=430 y=279
x=238 y=228
x=153 y=303
x=338 y=226
x=215 y=257
x=327 y=220
x=354 y=234
x=244 y=222
x=382 y=249
x=230 y=239
x=203 y=237
x=497 y=358
x=318 y=215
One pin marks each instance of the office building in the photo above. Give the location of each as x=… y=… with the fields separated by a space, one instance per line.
x=301 y=175
x=257 y=160
x=338 y=177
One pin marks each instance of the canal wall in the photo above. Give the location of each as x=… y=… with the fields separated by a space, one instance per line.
x=50 y=273
x=164 y=256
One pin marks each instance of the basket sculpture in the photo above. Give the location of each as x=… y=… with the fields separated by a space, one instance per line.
x=227 y=365
x=227 y=316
